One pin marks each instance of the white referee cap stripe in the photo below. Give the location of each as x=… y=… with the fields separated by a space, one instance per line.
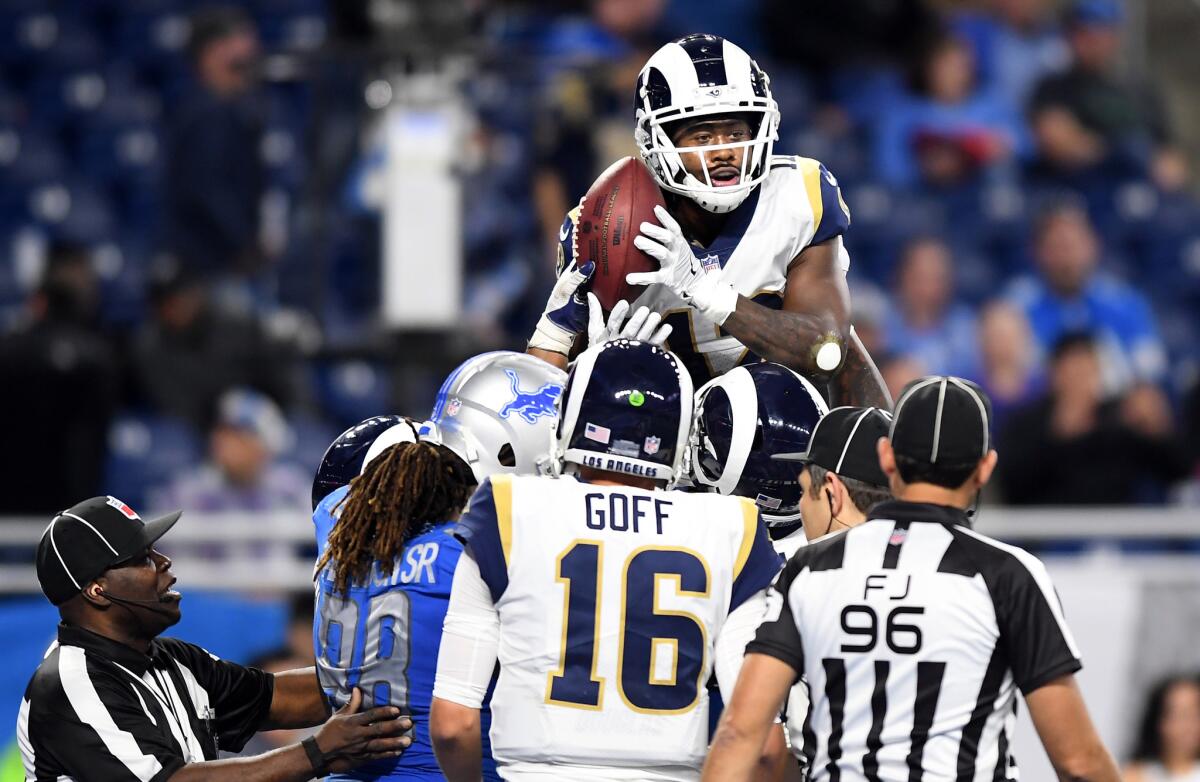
x=854 y=429
x=937 y=422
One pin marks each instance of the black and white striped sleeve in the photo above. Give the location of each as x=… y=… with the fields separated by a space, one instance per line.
x=94 y=727
x=778 y=635
x=1033 y=630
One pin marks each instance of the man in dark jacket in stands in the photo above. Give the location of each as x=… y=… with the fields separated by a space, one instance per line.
x=1075 y=447
x=215 y=178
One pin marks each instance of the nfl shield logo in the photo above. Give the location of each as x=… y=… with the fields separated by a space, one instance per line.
x=897 y=538
x=711 y=262
x=453 y=406
x=651 y=445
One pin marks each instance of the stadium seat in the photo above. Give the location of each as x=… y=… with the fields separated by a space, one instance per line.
x=144 y=451
x=352 y=390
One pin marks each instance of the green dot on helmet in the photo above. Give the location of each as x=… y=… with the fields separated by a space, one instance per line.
x=637 y=399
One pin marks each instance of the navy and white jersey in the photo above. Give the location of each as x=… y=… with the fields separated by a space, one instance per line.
x=383 y=637
x=615 y=604
x=914 y=633
x=799 y=204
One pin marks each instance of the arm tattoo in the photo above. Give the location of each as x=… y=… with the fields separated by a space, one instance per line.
x=783 y=337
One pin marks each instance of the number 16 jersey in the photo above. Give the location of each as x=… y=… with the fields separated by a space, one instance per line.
x=612 y=601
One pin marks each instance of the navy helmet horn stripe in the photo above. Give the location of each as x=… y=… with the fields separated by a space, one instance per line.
x=708 y=58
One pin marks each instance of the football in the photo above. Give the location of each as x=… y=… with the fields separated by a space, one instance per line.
x=619 y=201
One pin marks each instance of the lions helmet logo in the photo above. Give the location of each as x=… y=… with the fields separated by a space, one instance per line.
x=531 y=406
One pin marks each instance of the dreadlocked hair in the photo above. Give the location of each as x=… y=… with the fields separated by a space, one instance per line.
x=406 y=487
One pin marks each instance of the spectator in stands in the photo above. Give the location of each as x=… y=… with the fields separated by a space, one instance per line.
x=243 y=472
x=1071 y=294
x=1078 y=446
x=61 y=383
x=1118 y=109
x=925 y=322
x=1016 y=44
x=583 y=121
x=193 y=348
x=1008 y=369
x=1168 y=740
x=214 y=175
x=1068 y=155
x=945 y=102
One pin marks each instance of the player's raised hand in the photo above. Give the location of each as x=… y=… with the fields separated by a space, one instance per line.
x=643 y=325
x=565 y=316
x=680 y=270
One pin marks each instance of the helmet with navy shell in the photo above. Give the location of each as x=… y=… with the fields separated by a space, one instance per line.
x=497 y=412
x=349 y=454
x=745 y=417
x=704 y=76
x=627 y=408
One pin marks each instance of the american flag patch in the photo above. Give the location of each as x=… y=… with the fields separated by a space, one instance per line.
x=600 y=434
x=768 y=502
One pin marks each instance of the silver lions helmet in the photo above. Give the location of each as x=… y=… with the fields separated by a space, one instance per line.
x=497 y=411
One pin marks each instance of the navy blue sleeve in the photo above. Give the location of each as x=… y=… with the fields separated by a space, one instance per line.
x=485 y=529
x=834 y=216
x=758 y=562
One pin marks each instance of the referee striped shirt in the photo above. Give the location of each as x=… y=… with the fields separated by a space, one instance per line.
x=97 y=709
x=914 y=633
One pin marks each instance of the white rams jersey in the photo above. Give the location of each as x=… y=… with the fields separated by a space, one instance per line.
x=610 y=600
x=798 y=204
x=796 y=708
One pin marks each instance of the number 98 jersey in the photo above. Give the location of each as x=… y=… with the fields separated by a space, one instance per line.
x=612 y=601
x=383 y=636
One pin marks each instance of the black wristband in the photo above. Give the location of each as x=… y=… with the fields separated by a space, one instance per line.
x=315 y=758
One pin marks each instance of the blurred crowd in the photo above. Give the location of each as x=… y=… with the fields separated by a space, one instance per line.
x=188 y=295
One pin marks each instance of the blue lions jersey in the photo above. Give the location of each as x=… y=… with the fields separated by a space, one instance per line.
x=383 y=637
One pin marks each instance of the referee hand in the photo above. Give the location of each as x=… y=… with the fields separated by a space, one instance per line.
x=350 y=738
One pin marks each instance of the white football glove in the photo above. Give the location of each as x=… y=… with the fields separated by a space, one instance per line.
x=680 y=271
x=564 y=317
x=643 y=325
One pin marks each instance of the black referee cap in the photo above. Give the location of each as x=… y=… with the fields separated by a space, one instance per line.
x=844 y=442
x=89 y=538
x=942 y=420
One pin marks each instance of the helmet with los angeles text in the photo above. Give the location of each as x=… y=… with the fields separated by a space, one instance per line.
x=627 y=408
x=700 y=76
x=497 y=412
x=348 y=455
x=744 y=418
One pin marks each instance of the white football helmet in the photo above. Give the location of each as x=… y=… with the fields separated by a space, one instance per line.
x=699 y=76
x=498 y=411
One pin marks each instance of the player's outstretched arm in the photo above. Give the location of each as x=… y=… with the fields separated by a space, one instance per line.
x=1065 y=728
x=748 y=719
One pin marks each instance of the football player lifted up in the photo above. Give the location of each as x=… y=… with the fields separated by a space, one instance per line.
x=751 y=262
